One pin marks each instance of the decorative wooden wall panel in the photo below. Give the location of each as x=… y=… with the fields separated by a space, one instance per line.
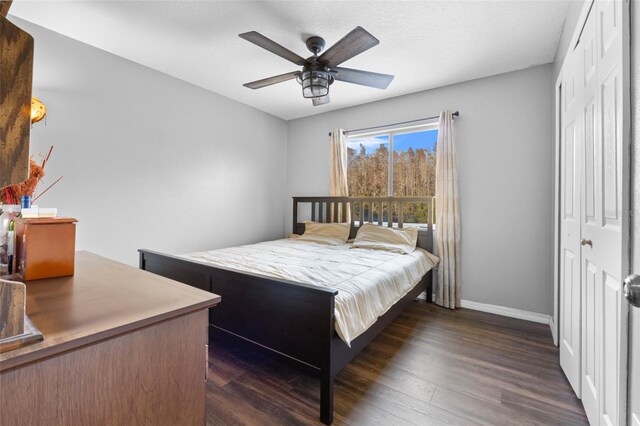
x=4 y=7
x=16 y=72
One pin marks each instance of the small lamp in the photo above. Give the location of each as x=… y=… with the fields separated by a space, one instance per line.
x=38 y=110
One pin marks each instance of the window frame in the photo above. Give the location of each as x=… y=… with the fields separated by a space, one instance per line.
x=393 y=131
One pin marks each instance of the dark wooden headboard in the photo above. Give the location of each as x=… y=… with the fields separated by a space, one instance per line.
x=384 y=211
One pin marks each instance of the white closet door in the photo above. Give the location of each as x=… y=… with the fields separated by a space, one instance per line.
x=594 y=216
x=604 y=219
x=570 y=206
x=606 y=262
x=587 y=51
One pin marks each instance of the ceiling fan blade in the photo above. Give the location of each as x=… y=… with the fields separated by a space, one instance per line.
x=354 y=43
x=273 y=47
x=272 y=80
x=364 y=78
x=321 y=101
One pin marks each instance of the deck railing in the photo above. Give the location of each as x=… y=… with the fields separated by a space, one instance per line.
x=388 y=211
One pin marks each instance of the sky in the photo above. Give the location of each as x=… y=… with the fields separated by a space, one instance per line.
x=416 y=140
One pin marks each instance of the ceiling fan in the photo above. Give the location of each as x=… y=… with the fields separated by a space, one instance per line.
x=318 y=72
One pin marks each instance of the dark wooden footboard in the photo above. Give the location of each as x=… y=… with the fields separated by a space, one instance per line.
x=283 y=316
x=292 y=319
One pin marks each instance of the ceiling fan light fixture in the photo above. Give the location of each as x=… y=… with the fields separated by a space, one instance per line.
x=315 y=84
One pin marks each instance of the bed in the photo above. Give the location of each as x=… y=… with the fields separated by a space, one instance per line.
x=294 y=319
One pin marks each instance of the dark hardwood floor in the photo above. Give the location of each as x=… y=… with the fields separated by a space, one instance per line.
x=432 y=366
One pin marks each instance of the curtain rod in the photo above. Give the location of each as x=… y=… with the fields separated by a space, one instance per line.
x=455 y=114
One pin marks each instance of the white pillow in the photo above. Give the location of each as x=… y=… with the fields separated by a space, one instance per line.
x=397 y=240
x=328 y=233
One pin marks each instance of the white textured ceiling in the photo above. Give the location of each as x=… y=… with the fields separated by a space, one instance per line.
x=425 y=44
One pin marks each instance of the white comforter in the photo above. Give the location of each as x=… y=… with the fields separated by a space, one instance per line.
x=369 y=282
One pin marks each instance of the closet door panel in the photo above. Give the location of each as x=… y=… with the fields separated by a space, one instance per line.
x=608 y=253
x=611 y=295
x=591 y=273
x=570 y=217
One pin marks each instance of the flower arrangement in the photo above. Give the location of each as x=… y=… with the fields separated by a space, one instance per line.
x=13 y=193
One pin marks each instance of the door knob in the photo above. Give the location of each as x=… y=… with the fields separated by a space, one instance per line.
x=632 y=290
x=586 y=242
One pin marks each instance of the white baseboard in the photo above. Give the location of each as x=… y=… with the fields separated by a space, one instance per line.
x=507 y=312
x=554 y=330
x=502 y=310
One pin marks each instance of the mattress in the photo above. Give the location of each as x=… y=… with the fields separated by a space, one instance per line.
x=368 y=281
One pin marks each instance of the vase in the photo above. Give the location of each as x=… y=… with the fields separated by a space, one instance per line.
x=7 y=242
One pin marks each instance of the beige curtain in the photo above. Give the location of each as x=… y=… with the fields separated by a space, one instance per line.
x=339 y=186
x=447 y=215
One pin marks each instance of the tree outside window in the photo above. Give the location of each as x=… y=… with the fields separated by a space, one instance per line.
x=399 y=163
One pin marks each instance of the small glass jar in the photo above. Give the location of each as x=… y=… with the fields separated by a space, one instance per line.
x=7 y=240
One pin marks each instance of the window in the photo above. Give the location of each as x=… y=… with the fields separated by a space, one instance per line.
x=399 y=163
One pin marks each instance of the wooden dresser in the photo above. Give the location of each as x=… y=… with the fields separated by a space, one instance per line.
x=121 y=347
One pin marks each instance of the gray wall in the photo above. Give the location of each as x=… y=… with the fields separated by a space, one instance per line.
x=149 y=160
x=504 y=139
